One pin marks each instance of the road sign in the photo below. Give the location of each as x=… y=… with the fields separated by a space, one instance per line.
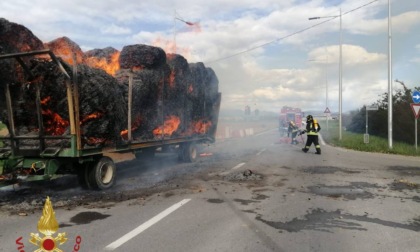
x=372 y=107
x=366 y=138
x=416 y=96
x=327 y=111
x=416 y=108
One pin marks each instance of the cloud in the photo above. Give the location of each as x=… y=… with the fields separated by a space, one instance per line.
x=402 y=23
x=352 y=55
x=115 y=29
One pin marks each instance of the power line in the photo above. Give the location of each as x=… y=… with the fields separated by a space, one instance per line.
x=290 y=35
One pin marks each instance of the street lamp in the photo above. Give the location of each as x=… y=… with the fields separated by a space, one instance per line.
x=176 y=17
x=340 y=78
x=389 y=76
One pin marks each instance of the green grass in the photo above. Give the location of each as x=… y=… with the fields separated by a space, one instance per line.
x=355 y=141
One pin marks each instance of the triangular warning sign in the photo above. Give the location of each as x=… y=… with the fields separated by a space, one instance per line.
x=327 y=111
x=416 y=108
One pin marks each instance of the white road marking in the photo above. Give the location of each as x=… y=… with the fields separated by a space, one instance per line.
x=238 y=166
x=234 y=168
x=145 y=225
x=261 y=151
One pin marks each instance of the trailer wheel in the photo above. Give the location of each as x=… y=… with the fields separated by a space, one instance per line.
x=83 y=175
x=102 y=173
x=188 y=152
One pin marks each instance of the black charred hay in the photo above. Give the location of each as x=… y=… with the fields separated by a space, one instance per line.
x=164 y=87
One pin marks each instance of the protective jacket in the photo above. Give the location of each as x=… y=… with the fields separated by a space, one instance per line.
x=312 y=128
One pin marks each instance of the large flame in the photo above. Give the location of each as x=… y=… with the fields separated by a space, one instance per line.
x=170 y=126
x=67 y=55
x=47 y=224
x=55 y=125
x=110 y=67
x=201 y=127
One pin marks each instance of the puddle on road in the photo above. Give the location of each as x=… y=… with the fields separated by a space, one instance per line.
x=260 y=197
x=87 y=217
x=405 y=170
x=321 y=220
x=245 y=202
x=327 y=170
x=217 y=201
x=403 y=184
x=350 y=192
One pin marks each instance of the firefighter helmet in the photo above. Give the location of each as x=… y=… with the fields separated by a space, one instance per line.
x=309 y=118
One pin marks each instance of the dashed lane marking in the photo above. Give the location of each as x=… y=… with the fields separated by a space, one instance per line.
x=145 y=225
x=261 y=151
x=234 y=168
x=238 y=166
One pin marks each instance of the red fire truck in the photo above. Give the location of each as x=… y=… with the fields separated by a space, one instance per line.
x=288 y=114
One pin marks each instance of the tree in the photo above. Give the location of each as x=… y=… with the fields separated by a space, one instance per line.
x=403 y=126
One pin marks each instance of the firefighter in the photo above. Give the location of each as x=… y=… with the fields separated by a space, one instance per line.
x=292 y=132
x=312 y=129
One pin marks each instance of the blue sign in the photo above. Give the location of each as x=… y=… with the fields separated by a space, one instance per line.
x=416 y=96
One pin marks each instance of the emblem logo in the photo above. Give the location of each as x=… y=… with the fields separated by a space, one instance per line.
x=48 y=226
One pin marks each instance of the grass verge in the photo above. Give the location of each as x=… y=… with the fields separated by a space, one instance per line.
x=355 y=141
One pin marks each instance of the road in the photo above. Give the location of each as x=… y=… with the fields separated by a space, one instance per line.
x=245 y=194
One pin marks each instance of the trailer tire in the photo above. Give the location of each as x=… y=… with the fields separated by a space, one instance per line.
x=188 y=152
x=102 y=173
x=82 y=171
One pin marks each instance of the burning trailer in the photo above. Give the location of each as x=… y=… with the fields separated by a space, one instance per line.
x=65 y=109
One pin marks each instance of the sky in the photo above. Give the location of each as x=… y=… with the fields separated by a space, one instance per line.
x=266 y=53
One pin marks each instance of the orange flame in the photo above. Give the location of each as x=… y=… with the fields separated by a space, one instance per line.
x=201 y=127
x=172 y=79
x=134 y=126
x=170 y=126
x=90 y=117
x=54 y=124
x=66 y=54
x=138 y=68
x=45 y=100
x=111 y=67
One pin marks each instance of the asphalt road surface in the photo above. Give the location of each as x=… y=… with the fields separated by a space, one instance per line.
x=245 y=194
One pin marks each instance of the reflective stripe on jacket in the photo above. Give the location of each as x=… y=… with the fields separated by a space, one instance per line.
x=312 y=128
